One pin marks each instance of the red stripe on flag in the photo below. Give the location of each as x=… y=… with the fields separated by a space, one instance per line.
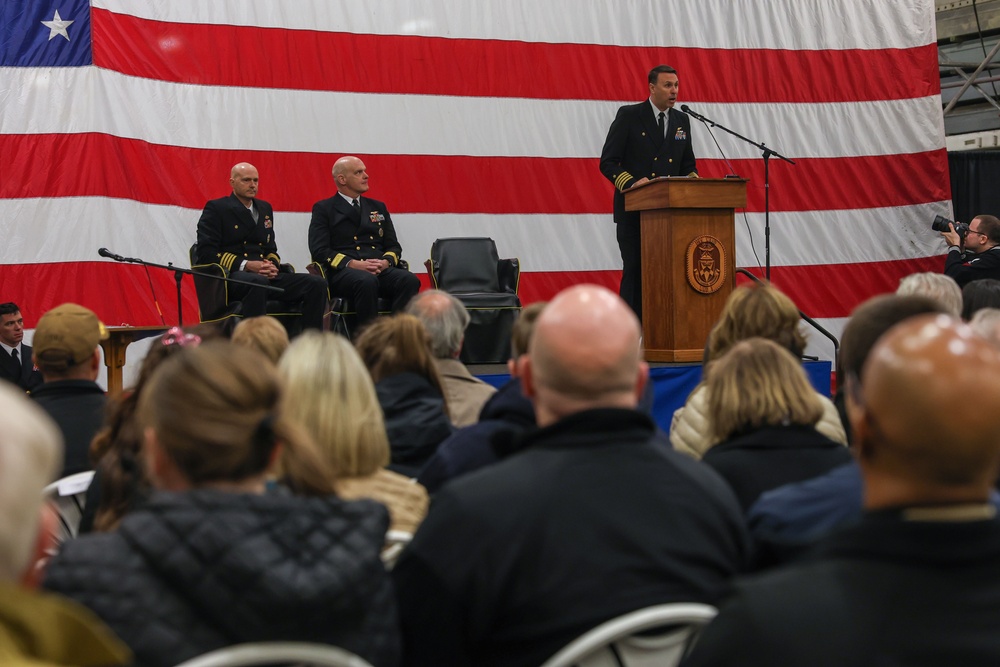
x=833 y=290
x=113 y=289
x=69 y=165
x=119 y=294
x=271 y=58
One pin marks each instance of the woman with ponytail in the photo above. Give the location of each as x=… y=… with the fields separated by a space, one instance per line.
x=213 y=559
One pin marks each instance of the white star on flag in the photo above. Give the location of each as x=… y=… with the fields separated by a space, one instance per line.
x=57 y=26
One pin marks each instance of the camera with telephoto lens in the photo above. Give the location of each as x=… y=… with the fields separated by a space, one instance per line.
x=941 y=223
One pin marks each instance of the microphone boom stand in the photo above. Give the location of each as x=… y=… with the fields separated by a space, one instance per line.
x=767 y=153
x=179 y=276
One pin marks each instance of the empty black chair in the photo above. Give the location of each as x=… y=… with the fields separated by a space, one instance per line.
x=470 y=269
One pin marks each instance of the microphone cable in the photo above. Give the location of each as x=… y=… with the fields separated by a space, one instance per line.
x=732 y=174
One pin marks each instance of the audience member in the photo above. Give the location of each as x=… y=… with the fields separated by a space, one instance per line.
x=764 y=415
x=508 y=412
x=265 y=334
x=120 y=481
x=238 y=233
x=211 y=559
x=937 y=286
x=67 y=352
x=397 y=353
x=976 y=256
x=915 y=582
x=330 y=394
x=15 y=362
x=353 y=238
x=590 y=520
x=786 y=521
x=445 y=319
x=983 y=293
x=986 y=323
x=751 y=311
x=37 y=630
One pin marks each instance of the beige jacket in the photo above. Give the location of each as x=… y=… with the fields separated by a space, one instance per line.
x=465 y=393
x=690 y=429
x=406 y=500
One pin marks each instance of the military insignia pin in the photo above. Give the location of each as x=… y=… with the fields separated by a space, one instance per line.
x=267 y=222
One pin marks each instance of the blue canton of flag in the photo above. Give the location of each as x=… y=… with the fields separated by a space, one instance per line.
x=45 y=33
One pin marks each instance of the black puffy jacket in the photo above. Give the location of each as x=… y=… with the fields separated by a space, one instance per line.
x=190 y=572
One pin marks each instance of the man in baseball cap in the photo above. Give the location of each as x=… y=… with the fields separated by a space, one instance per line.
x=66 y=351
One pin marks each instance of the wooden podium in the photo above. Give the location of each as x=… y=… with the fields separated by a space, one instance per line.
x=688 y=260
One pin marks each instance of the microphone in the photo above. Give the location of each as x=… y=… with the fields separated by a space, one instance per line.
x=104 y=252
x=708 y=125
x=686 y=109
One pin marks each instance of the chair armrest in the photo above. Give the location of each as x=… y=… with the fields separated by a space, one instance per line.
x=509 y=274
x=316 y=269
x=431 y=272
x=212 y=294
x=286 y=268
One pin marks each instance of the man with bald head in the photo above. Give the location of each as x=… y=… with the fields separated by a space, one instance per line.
x=353 y=239
x=593 y=517
x=916 y=582
x=238 y=232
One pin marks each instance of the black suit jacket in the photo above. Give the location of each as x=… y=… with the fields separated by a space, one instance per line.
x=633 y=150
x=966 y=267
x=888 y=591
x=227 y=234
x=337 y=234
x=28 y=378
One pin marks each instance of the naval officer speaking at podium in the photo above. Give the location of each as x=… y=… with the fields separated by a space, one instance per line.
x=646 y=140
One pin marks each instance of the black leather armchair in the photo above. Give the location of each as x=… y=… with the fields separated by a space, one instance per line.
x=342 y=316
x=214 y=304
x=470 y=269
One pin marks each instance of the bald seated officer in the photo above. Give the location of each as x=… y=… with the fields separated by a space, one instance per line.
x=238 y=233
x=917 y=582
x=592 y=518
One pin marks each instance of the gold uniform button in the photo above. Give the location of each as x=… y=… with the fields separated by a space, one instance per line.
x=653 y=175
x=355 y=238
x=357 y=247
x=670 y=160
x=236 y=226
x=643 y=134
x=655 y=159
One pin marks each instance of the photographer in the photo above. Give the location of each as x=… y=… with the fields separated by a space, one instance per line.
x=980 y=257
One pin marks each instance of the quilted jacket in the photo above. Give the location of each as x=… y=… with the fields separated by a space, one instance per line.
x=691 y=426
x=190 y=572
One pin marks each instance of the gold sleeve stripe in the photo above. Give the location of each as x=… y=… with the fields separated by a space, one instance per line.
x=273 y=256
x=227 y=261
x=337 y=259
x=395 y=259
x=622 y=179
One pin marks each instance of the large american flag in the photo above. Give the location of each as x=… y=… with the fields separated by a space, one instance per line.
x=120 y=118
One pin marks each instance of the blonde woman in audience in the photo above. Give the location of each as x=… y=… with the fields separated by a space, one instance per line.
x=937 y=286
x=264 y=334
x=751 y=311
x=330 y=394
x=396 y=350
x=764 y=416
x=212 y=558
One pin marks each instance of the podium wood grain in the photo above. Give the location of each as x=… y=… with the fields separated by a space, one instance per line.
x=674 y=212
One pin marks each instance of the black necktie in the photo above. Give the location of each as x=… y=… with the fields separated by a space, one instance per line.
x=661 y=124
x=357 y=207
x=17 y=361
